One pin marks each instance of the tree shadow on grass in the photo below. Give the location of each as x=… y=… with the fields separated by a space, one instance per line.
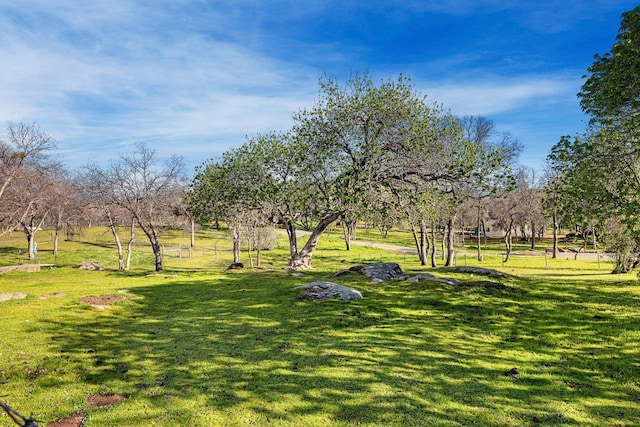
x=242 y=349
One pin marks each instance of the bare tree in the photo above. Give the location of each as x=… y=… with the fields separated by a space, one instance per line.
x=138 y=185
x=32 y=195
x=25 y=148
x=26 y=144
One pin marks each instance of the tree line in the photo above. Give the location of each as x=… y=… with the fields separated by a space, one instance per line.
x=380 y=153
x=595 y=176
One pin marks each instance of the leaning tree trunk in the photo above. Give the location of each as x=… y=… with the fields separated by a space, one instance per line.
x=450 y=248
x=152 y=234
x=416 y=240
x=302 y=260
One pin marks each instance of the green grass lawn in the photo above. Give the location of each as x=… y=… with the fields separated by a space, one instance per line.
x=200 y=346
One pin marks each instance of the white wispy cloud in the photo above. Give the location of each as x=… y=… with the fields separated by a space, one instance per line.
x=186 y=91
x=496 y=95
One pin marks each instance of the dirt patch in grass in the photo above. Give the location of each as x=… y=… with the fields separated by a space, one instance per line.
x=77 y=419
x=100 y=400
x=103 y=300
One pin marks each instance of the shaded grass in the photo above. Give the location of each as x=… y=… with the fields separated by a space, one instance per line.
x=206 y=348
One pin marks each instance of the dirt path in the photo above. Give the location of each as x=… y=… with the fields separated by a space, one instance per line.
x=413 y=251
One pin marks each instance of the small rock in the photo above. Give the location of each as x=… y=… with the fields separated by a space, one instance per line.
x=341 y=273
x=297 y=274
x=513 y=373
x=90 y=266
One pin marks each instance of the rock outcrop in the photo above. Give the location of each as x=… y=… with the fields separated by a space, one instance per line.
x=321 y=291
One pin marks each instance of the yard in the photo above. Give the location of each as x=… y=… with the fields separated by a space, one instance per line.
x=554 y=343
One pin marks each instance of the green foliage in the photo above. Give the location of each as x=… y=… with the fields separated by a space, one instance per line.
x=611 y=93
x=597 y=175
x=359 y=149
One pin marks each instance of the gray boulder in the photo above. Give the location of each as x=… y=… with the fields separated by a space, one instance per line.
x=320 y=291
x=383 y=271
x=90 y=265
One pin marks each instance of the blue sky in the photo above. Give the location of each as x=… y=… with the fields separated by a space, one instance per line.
x=194 y=77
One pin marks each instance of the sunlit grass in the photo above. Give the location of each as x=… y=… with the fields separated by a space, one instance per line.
x=202 y=346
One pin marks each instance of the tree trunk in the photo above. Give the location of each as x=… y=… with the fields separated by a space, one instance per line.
x=249 y=246
x=346 y=233
x=479 y=241
x=533 y=235
x=450 y=248
x=30 y=232
x=302 y=260
x=30 y=243
x=192 y=241
x=424 y=242
x=555 y=235
x=151 y=232
x=56 y=238
x=416 y=240
x=116 y=238
x=157 y=252
x=432 y=249
x=235 y=235
x=259 y=249
x=507 y=241
x=132 y=229
x=293 y=239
